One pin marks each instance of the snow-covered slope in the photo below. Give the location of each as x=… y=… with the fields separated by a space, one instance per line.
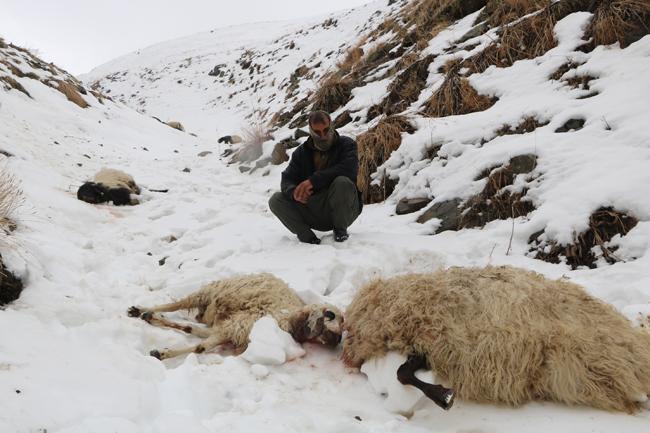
x=72 y=361
x=252 y=65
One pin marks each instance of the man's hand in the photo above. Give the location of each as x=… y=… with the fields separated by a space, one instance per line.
x=303 y=191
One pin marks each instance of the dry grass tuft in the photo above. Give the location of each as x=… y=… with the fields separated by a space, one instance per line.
x=10 y=83
x=352 y=58
x=622 y=21
x=604 y=225
x=495 y=202
x=17 y=72
x=11 y=198
x=406 y=87
x=70 y=91
x=431 y=16
x=526 y=39
x=527 y=124
x=334 y=92
x=375 y=147
x=456 y=96
x=251 y=147
x=500 y=12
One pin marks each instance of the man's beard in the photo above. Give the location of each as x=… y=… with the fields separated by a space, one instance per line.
x=323 y=143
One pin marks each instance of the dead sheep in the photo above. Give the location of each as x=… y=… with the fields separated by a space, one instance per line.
x=230 y=308
x=230 y=139
x=176 y=125
x=502 y=335
x=109 y=185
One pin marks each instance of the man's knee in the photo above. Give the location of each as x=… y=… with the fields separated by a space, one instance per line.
x=343 y=184
x=277 y=202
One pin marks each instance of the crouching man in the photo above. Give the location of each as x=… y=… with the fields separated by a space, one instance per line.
x=319 y=186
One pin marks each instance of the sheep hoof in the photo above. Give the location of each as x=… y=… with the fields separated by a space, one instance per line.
x=147 y=316
x=134 y=312
x=156 y=354
x=448 y=399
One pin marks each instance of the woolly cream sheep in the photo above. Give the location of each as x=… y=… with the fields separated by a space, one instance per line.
x=109 y=185
x=176 y=125
x=231 y=307
x=502 y=335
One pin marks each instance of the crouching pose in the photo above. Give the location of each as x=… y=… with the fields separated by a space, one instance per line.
x=109 y=185
x=231 y=307
x=502 y=335
x=319 y=187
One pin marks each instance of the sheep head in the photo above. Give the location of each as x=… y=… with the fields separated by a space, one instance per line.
x=317 y=323
x=93 y=193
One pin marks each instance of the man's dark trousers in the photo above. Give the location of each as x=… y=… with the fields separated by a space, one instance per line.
x=334 y=208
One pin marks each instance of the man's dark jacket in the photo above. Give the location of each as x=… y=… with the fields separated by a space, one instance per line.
x=342 y=160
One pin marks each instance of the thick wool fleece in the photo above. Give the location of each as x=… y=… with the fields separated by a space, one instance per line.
x=233 y=305
x=113 y=178
x=504 y=335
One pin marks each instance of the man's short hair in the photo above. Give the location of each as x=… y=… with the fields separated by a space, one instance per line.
x=319 y=116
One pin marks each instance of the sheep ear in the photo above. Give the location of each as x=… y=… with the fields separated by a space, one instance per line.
x=314 y=324
x=307 y=324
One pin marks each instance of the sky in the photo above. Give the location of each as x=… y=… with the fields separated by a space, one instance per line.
x=78 y=35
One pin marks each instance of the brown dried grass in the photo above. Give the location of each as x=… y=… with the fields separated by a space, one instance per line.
x=495 y=203
x=526 y=39
x=10 y=83
x=527 y=124
x=11 y=198
x=622 y=21
x=375 y=147
x=352 y=58
x=253 y=138
x=334 y=92
x=604 y=224
x=70 y=91
x=456 y=96
x=500 y=12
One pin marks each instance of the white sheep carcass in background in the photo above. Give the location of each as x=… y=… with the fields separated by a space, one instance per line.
x=502 y=335
x=230 y=308
x=176 y=125
x=109 y=185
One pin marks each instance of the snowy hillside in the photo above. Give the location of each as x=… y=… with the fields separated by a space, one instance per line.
x=556 y=139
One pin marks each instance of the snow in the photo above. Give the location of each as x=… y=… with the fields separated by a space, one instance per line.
x=72 y=361
x=399 y=398
x=270 y=345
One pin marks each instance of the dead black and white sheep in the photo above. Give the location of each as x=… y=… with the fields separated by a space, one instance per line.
x=502 y=335
x=109 y=185
x=230 y=308
x=230 y=139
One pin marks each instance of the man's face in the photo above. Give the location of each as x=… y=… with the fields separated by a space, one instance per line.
x=321 y=129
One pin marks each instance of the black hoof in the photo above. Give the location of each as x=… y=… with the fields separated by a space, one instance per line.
x=448 y=399
x=147 y=316
x=134 y=312
x=155 y=354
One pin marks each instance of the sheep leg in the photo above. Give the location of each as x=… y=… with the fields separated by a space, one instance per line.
x=209 y=343
x=440 y=395
x=158 y=320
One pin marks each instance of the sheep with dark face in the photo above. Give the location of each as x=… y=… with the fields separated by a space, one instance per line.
x=502 y=335
x=109 y=185
x=230 y=139
x=231 y=307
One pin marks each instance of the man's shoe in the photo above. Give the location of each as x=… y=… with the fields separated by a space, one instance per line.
x=341 y=235
x=314 y=241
